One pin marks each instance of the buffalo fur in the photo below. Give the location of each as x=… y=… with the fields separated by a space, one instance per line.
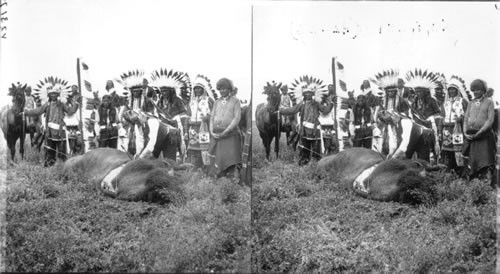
x=156 y=185
x=396 y=180
x=139 y=180
x=348 y=164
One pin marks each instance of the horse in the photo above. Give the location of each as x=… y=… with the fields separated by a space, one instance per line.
x=405 y=137
x=370 y=175
x=269 y=122
x=12 y=120
x=117 y=175
x=34 y=129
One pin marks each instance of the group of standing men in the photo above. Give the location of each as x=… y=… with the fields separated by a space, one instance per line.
x=463 y=126
x=146 y=119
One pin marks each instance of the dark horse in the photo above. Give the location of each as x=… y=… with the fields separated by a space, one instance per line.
x=269 y=123
x=34 y=128
x=12 y=121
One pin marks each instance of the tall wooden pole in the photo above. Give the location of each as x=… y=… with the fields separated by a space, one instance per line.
x=80 y=123
x=497 y=165
x=335 y=99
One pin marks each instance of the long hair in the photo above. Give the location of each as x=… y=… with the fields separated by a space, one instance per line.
x=103 y=113
x=361 y=111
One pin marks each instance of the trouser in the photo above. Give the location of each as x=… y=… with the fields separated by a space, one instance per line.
x=55 y=149
x=109 y=142
x=136 y=140
x=363 y=138
x=330 y=145
x=309 y=147
x=170 y=152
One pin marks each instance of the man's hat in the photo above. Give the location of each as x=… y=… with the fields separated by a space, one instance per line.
x=308 y=84
x=52 y=85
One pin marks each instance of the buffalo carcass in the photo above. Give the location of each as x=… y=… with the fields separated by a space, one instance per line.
x=115 y=174
x=368 y=174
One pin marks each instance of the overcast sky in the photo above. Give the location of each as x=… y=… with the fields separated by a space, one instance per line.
x=293 y=39
x=46 y=37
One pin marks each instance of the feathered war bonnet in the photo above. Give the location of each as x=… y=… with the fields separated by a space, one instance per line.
x=386 y=80
x=179 y=81
x=308 y=84
x=132 y=80
x=426 y=80
x=52 y=85
x=459 y=84
x=203 y=82
x=439 y=91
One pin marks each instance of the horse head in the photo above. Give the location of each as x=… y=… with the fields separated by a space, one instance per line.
x=18 y=96
x=273 y=96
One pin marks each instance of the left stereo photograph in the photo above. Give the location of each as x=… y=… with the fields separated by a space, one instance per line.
x=126 y=136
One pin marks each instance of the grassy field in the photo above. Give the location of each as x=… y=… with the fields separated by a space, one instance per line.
x=56 y=225
x=300 y=224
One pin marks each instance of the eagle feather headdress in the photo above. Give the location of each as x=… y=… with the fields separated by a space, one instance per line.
x=132 y=79
x=423 y=79
x=387 y=79
x=439 y=91
x=308 y=83
x=460 y=85
x=52 y=85
x=180 y=81
x=203 y=82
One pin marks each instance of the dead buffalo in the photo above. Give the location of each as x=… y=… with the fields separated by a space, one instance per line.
x=367 y=173
x=115 y=174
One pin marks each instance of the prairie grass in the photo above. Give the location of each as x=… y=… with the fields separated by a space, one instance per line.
x=301 y=224
x=58 y=225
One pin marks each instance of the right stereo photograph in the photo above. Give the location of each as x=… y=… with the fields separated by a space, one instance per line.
x=375 y=136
